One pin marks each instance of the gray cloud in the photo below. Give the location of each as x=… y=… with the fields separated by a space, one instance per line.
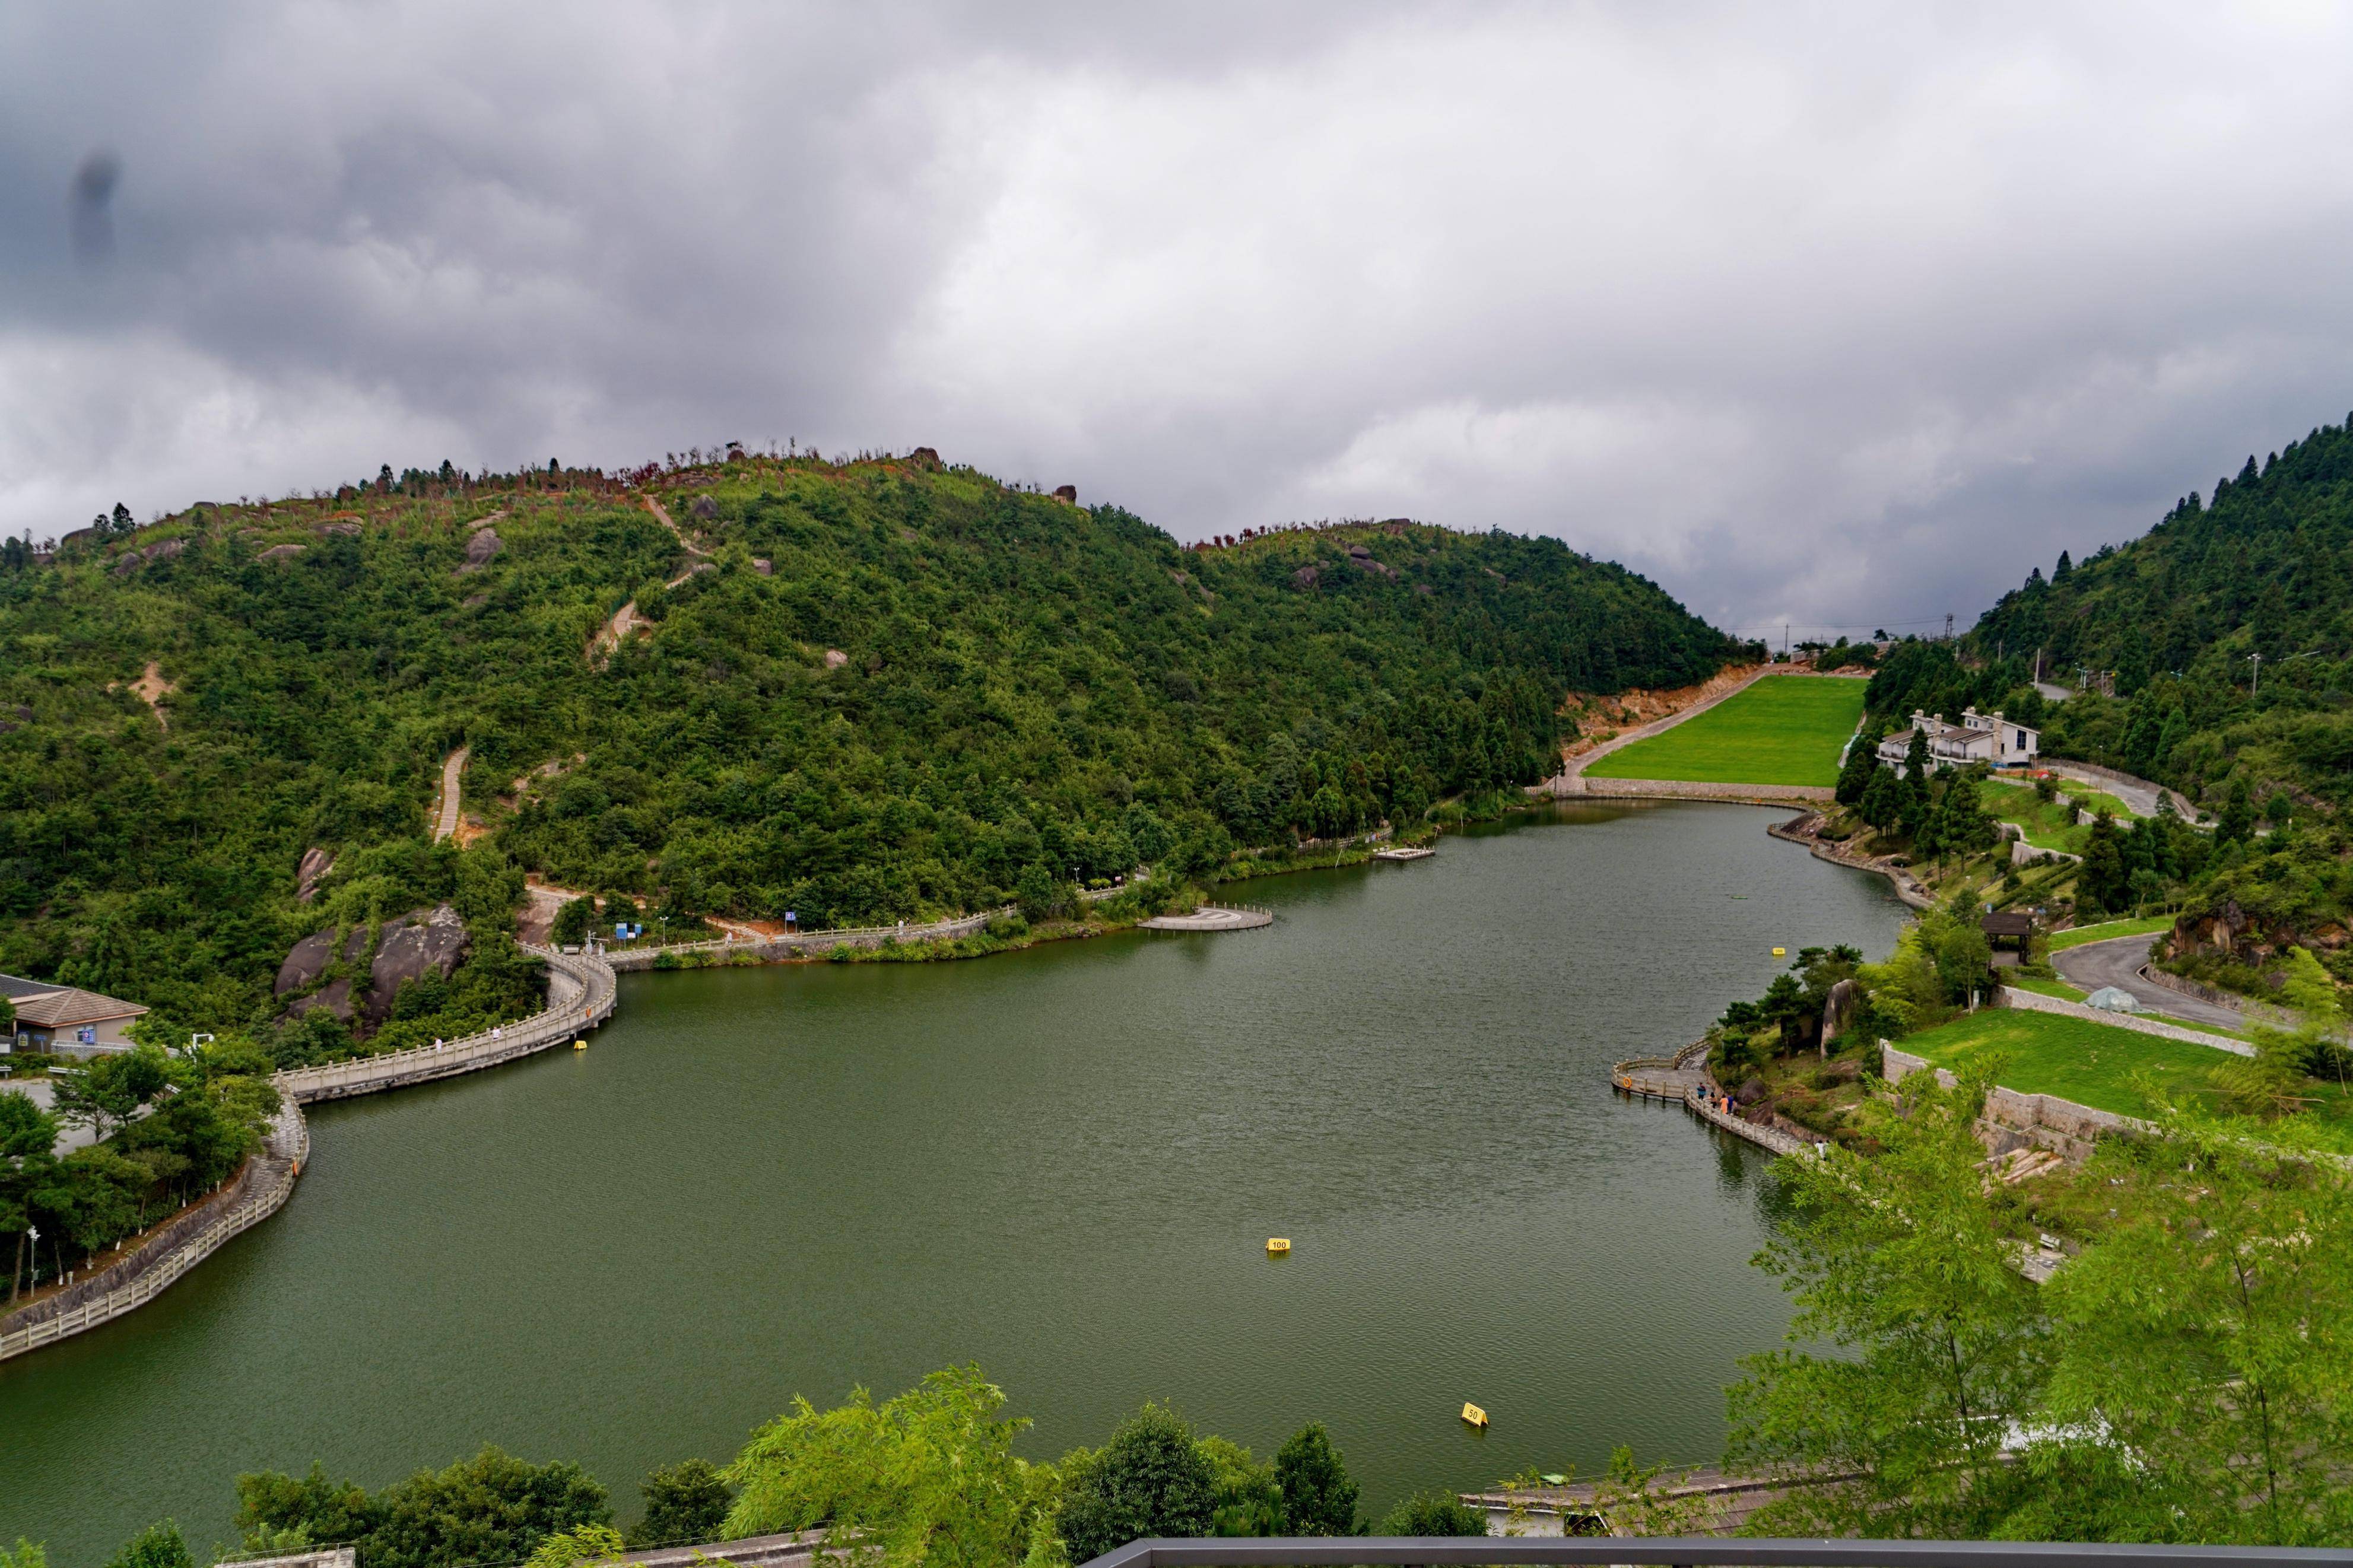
x=1845 y=314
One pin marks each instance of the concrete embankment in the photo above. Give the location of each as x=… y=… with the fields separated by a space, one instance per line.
x=1804 y=830
x=580 y=995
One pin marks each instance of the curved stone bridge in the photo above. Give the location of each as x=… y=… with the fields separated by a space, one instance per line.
x=580 y=994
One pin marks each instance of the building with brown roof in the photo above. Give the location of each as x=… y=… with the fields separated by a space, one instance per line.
x=66 y=1019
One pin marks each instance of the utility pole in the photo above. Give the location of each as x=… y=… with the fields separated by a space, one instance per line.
x=1948 y=626
x=2257 y=660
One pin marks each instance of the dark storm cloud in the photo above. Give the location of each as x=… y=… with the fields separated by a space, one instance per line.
x=1845 y=315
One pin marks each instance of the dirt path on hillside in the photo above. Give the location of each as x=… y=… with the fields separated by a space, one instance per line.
x=151 y=688
x=445 y=821
x=625 y=620
x=656 y=508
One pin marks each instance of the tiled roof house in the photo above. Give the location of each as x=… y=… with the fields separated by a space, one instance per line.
x=66 y=1019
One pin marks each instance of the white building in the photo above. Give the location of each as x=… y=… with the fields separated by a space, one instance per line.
x=1979 y=738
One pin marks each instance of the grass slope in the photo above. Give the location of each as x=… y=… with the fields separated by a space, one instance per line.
x=2092 y=1063
x=1783 y=730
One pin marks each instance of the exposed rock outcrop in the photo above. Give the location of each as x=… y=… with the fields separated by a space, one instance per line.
x=481 y=548
x=425 y=942
x=760 y=565
x=1067 y=494
x=704 y=507
x=335 y=996
x=312 y=956
x=1304 y=577
x=421 y=942
x=316 y=863
x=1838 y=1012
x=161 y=550
x=281 y=553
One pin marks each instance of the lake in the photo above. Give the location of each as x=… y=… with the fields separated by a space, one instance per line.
x=1063 y=1164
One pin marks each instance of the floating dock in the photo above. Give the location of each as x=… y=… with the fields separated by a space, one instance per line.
x=1211 y=917
x=1404 y=852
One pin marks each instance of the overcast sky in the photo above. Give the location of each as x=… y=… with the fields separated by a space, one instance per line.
x=1842 y=314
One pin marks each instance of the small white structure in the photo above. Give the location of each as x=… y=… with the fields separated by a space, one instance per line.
x=1979 y=738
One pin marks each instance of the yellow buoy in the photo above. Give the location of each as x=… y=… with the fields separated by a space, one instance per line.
x=1780 y=952
x=1276 y=1245
x=1473 y=1414
x=579 y=1045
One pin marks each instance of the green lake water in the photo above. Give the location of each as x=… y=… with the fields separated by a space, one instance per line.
x=1061 y=1163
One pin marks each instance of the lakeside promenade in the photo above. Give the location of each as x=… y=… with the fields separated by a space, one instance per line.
x=580 y=996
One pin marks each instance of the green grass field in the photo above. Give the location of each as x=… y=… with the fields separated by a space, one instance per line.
x=2092 y=1063
x=1783 y=730
x=2050 y=826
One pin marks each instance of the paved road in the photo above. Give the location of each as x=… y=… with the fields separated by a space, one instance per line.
x=43 y=1093
x=2118 y=961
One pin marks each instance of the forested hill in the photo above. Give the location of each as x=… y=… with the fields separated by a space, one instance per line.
x=2265 y=567
x=869 y=690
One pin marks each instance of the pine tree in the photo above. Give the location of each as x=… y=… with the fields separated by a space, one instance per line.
x=1881 y=803
x=1862 y=763
x=2064 y=569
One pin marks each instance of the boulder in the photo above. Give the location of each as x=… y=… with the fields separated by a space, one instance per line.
x=281 y=553
x=923 y=458
x=422 y=941
x=316 y=863
x=335 y=998
x=760 y=565
x=484 y=544
x=704 y=508
x=1303 y=578
x=1067 y=494
x=348 y=530
x=1838 y=1012
x=311 y=955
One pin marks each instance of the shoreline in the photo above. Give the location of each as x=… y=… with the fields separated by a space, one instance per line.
x=592 y=980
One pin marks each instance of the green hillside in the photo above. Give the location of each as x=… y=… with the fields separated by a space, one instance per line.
x=870 y=690
x=2265 y=568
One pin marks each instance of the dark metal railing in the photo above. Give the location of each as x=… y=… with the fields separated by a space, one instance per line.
x=1696 y=1552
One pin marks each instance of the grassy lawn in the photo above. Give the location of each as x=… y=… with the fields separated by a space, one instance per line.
x=2079 y=935
x=2092 y=1063
x=1783 y=730
x=2058 y=988
x=2050 y=826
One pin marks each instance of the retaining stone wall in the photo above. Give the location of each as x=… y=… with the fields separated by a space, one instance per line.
x=2015 y=1120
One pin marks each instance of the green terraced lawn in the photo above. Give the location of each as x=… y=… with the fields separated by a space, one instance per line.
x=1782 y=729
x=2075 y=1059
x=2092 y=1063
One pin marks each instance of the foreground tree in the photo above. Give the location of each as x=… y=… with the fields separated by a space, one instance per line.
x=1318 y=1496
x=685 y=1502
x=928 y=1477
x=1150 y=1479
x=1896 y=1263
x=2205 y=1352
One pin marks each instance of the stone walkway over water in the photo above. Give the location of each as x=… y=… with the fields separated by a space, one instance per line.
x=580 y=995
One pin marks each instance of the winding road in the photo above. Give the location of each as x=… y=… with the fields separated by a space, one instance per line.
x=2117 y=963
